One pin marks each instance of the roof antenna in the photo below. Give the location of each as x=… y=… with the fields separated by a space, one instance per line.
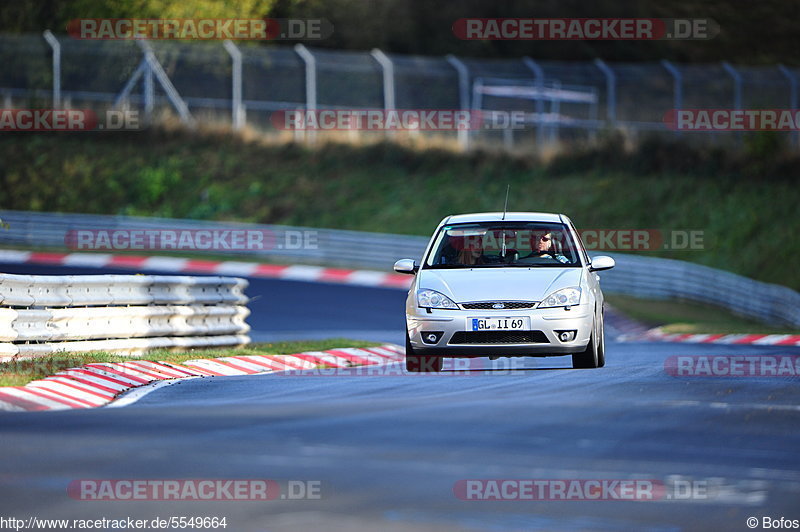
x=505 y=207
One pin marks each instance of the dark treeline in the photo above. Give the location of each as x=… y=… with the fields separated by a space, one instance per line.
x=760 y=32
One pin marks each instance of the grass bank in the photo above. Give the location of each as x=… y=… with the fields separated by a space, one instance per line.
x=691 y=318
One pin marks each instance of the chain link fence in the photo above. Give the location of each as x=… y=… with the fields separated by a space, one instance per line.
x=242 y=85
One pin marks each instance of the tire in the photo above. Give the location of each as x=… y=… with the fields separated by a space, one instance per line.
x=589 y=358
x=421 y=363
x=601 y=345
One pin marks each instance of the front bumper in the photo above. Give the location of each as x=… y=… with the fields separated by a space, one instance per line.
x=449 y=322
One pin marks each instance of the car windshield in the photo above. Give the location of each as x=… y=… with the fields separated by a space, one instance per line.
x=503 y=244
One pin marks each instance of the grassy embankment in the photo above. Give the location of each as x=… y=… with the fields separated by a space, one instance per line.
x=746 y=207
x=688 y=317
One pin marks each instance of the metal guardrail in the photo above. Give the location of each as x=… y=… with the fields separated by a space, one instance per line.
x=125 y=313
x=330 y=247
x=658 y=278
x=92 y=323
x=93 y=290
x=647 y=277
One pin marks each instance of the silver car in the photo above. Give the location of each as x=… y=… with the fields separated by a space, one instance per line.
x=504 y=284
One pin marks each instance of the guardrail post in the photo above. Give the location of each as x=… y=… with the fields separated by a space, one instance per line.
x=792 y=95
x=237 y=109
x=538 y=72
x=387 y=68
x=463 y=95
x=611 y=91
x=677 y=85
x=311 y=83
x=56 y=46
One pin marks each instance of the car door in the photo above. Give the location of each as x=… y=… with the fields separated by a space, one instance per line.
x=592 y=278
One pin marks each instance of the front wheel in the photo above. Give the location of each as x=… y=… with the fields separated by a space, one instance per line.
x=601 y=344
x=590 y=357
x=421 y=363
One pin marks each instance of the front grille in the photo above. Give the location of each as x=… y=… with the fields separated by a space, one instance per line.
x=507 y=305
x=498 y=337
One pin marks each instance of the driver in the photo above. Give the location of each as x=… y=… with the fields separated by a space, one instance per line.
x=542 y=247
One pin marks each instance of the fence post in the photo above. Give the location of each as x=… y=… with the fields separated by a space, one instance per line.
x=56 y=46
x=311 y=83
x=237 y=110
x=792 y=96
x=147 y=89
x=737 y=84
x=555 y=110
x=477 y=94
x=387 y=68
x=737 y=90
x=538 y=72
x=463 y=95
x=152 y=66
x=677 y=86
x=611 y=91
x=122 y=97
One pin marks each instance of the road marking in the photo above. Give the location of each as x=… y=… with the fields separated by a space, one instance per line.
x=135 y=394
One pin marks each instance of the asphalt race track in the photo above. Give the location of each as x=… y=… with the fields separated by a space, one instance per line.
x=388 y=450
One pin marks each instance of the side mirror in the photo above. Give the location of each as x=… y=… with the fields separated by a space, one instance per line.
x=601 y=263
x=406 y=266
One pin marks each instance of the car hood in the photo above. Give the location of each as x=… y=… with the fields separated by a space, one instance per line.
x=492 y=284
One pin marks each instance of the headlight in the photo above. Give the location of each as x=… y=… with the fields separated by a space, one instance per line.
x=566 y=297
x=433 y=299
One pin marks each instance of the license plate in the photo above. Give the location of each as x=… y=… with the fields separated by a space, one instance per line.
x=500 y=324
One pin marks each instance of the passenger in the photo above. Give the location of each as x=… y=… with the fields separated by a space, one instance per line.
x=471 y=255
